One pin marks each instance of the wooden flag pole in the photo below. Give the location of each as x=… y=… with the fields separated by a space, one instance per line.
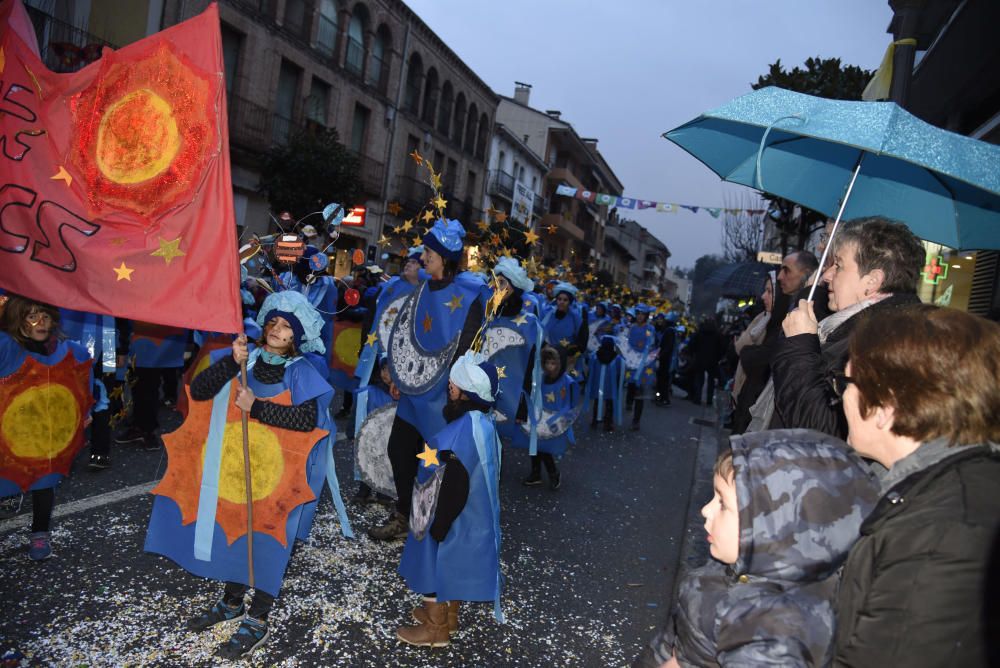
x=246 y=474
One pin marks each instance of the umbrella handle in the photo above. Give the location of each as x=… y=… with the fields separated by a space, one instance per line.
x=763 y=140
x=836 y=224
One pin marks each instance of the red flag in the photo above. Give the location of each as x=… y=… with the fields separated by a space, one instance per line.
x=115 y=187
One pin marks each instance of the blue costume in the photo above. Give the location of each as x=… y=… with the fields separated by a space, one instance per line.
x=641 y=363
x=561 y=404
x=606 y=382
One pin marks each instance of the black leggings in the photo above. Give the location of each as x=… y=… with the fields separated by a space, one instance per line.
x=42 y=502
x=404 y=446
x=543 y=458
x=259 y=607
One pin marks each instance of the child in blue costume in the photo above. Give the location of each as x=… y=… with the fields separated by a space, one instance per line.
x=31 y=329
x=599 y=325
x=605 y=381
x=561 y=403
x=640 y=362
x=512 y=341
x=374 y=395
x=308 y=276
x=426 y=330
x=566 y=328
x=291 y=327
x=99 y=335
x=452 y=552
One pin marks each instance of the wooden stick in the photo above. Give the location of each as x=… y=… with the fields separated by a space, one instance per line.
x=247 y=477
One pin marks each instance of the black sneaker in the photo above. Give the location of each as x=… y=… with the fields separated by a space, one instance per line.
x=249 y=636
x=532 y=480
x=218 y=613
x=131 y=435
x=555 y=481
x=396 y=528
x=149 y=443
x=99 y=462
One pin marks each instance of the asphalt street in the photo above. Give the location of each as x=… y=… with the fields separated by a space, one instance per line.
x=589 y=568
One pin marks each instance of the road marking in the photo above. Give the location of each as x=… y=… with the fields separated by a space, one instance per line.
x=80 y=505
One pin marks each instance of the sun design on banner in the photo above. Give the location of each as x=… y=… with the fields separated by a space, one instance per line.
x=143 y=133
x=41 y=419
x=277 y=465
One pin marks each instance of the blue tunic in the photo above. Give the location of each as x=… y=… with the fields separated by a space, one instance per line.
x=465 y=566
x=604 y=383
x=561 y=401
x=642 y=342
x=157 y=346
x=167 y=536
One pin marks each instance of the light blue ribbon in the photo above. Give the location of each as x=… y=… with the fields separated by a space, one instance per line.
x=535 y=411
x=208 y=497
x=621 y=389
x=491 y=479
x=600 y=393
x=334 y=485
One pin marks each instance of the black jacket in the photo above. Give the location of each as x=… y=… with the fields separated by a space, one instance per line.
x=802 y=370
x=920 y=587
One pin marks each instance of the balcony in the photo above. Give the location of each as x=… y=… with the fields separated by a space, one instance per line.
x=568 y=228
x=538 y=206
x=501 y=183
x=371 y=173
x=563 y=175
x=249 y=125
x=65 y=48
x=412 y=194
x=326 y=37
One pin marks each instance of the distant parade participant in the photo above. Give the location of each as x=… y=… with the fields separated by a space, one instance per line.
x=452 y=552
x=46 y=393
x=291 y=327
x=561 y=403
x=599 y=324
x=428 y=327
x=606 y=384
x=308 y=276
x=640 y=362
x=566 y=328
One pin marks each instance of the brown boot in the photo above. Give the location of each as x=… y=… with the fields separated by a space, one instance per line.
x=430 y=633
x=420 y=614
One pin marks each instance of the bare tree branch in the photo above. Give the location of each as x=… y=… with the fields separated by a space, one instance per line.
x=742 y=232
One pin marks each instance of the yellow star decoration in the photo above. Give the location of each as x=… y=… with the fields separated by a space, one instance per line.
x=416 y=243
x=501 y=372
x=501 y=217
x=530 y=237
x=168 y=250
x=491 y=212
x=436 y=180
x=429 y=456
x=483 y=225
x=63 y=175
x=372 y=338
x=428 y=216
x=455 y=303
x=428 y=322
x=521 y=319
x=440 y=203
x=406 y=226
x=116 y=393
x=505 y=235
x=383 y=240
x=551 y=229
x=550 y=397
x=124 y=273
x=430 y=165
x=649 y=372
x=589 y=277
x=417 y=158
x=564 y=342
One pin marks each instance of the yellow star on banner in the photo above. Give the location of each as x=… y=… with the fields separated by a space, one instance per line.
x=530 y=237
x=417 y=158
x=550 y=397
x=428 y=322
x=501 y=217
x=440 y=203
x=117 y=241
x=483 y=225
x=501 y=372
x=429 y=456
x=521 y=319
x=63 y=175
x=394 y=208
x=372 y=338
x=124 y=273
x=168 y=250
x=564 y=342
x=455 y=303
x=428 y=216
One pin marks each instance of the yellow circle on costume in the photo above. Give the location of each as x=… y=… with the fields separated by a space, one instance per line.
x=137 y=138
x=346 y=345
x=203 y=364
x=266 y=462
x=41 y=421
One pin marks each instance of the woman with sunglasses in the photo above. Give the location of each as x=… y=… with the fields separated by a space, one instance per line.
x=922 y=584
x=43 y=419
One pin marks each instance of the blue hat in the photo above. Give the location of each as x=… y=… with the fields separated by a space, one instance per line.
x=416 y=253
x=303 y=318
x=644 y=308
x=445 y=239
x=512 y=270
x=568 y=288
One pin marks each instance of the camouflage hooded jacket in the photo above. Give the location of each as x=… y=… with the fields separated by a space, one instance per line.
x=802 y=497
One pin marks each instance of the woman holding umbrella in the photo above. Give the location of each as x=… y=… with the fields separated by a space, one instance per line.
x=876 y=265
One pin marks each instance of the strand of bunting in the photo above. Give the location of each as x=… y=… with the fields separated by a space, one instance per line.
x=604 y=199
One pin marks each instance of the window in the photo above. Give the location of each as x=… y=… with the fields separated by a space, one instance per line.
x=318 y=101
x=514 y=172
x=414 y=78
x=470 y=187
x=459 y=123
x=501 y=160
x=410 y=168
x=430 y=96
x=444 y=112
x=296 y=18
x=354 y=61
x=482 y=138
x=534 y=184
x=326 y=33
x=378 y=68
x=470 y=129
x=359 y=129
x=284 y=108
x=232 y=45
x=450 y=175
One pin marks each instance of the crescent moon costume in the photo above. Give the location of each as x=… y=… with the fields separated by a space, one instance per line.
x=606 y=383
x=567 y=332
x=640 y=352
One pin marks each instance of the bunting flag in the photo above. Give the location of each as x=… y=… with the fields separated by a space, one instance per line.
x=641 y=204
x=115 y=180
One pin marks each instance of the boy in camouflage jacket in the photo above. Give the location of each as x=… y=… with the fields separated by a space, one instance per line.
x=787 y=508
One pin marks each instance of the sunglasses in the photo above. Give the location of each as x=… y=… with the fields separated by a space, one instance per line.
x=839 y=382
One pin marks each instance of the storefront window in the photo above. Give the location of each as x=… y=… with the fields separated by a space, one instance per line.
x=946 y=279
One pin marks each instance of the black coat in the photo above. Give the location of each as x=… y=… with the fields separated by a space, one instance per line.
x=920 y=587
x=803 y=369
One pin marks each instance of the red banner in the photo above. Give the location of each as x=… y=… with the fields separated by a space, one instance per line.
x=115 y=187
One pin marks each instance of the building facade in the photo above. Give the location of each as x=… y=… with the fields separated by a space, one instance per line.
x=647 y=268
x=515 y=178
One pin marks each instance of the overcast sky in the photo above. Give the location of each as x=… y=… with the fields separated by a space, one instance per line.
x=626 y=72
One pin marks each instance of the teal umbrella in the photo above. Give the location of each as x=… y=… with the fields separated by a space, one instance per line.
x=854 y=159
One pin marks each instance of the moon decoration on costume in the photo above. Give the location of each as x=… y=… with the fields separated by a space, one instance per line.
x=370 y=453
x=499 y=338
x=414 y=369
x=552 y=424
x=633 y=358
x=425 y=501
x=388 y=318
